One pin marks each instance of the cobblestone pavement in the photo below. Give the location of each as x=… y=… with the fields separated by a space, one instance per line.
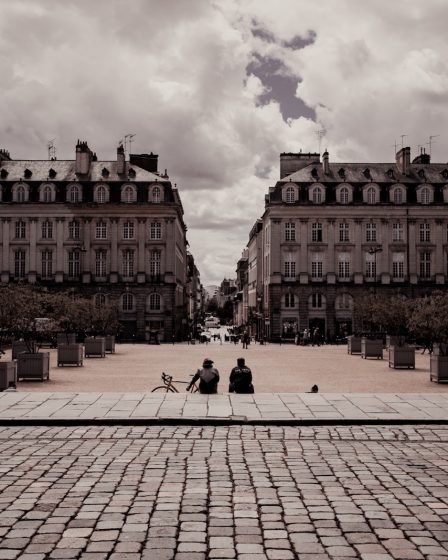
x=246 y=493
x=262 y=407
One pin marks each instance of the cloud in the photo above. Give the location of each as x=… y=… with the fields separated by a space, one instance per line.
x=193 y=81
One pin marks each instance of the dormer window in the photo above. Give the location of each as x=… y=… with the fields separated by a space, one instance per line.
x=421 y=173
x=367 y=173
x=390 y=173
x=341 y=173
x=52 y=173
x=445 y=173
x=314 y=173
x=27 y=174
x=371 y=194
x=289 y=195
x=131 y=173
x=104 y=172
x=3 y=173
x=101 y=194
x=317 y=194
x=128 y=194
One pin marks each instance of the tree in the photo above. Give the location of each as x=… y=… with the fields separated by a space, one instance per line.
x=390 y=315
x=429 y=320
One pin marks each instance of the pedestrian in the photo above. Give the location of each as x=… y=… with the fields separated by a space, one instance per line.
x=316 y=337
x=245 y=339
x=306 y=337
x=240 y=380
x=208 y=377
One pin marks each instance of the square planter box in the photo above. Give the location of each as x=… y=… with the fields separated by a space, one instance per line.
x=34 y=366
x=8 y=374
x=354 y=345
x=402 y=357
x=439 y=368
x=371 y=348
x=110 y=343
x=95 y=347
x=18 y=347
x=63 y=338
x=70 y=354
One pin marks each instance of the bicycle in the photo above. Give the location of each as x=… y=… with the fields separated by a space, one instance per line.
x=169 y=387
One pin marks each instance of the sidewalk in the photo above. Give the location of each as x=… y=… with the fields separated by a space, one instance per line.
x=261 y=408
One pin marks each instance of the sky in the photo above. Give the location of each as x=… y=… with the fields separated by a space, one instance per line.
x=219 y=88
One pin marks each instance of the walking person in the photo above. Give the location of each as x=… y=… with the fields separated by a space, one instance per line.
x=240 y=380
x=306 y=337
x=316 y=337
x=208 y=377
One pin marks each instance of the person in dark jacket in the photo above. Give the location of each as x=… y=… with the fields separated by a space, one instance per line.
x=241 y=378
x=208 y=378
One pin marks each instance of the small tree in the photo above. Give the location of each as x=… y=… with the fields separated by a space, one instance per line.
x=429 y=320
x=390 y=315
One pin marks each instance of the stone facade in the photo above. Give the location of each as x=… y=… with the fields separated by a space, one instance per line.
x=104 y=229
x=332 y=232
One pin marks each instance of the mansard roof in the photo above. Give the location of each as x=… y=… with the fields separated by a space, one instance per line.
x=377 y=173
x=64 y=170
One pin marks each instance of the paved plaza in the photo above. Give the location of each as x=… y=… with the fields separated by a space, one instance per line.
x=246 y=493
x=276 y=369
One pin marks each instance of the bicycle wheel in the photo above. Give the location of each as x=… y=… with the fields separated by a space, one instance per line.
x=163 y=389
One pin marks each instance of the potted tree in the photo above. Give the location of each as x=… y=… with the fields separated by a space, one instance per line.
x=429 y=321
x=103 y=325
x=366 y=316
x=70 y=314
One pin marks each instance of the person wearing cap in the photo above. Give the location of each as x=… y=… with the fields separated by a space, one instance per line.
x=240 y=380
x=208 y=377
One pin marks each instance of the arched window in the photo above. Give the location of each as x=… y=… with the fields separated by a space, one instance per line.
x=99 y=300
x=344 y=301
x=128 y=194
x=371 y=195
x=101 y=194
x=317 y=195
x=316 y=301
x=127 y=302
x=74 y=194
x=290 y=195
x=20 y=193
x=425 y=195
x=344 y=195
x=46 y=194
x=156 y=195
x=154 y=302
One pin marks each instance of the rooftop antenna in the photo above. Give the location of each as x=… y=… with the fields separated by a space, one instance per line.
x=431 y=142
x=395 y=145
x=320 y=134
x=51 y=149
x=128 y=139
x=402 y=136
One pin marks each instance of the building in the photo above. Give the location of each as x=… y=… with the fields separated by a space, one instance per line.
x=195 y=295
x=104 y=229
x=332 y=232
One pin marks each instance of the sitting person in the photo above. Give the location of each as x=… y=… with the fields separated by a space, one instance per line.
x=208 y=378
x=240 y=380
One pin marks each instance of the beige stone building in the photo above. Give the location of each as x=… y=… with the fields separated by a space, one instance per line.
x=334 y=231
x=105 y=229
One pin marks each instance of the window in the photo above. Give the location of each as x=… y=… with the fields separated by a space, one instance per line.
x=397 y=231
x=20 y=229
x=19 y=263
x=99 y=301
x=101 y=194
x=128 y=262
x=20 y=193
x=47 y=229
x=74 y=264
x=47 y=264
x=316 y=232
x=290 y=196
x=425 y=195
x=398 y=266
x=129 y=194
x=290 y=300
x=425 y=265
x=100 y=263
x=128 y=230
x=290 y=231
x=74 y=194
x=371 y=266
x=425 y=233
x=290 y=269
x=344 y=266
x=371 y=232
x=371 y=195
x=398 y=196
x=317 y=267
x=344 y=301
x=317 y=195
x=156 y=195
x=344 y=195
x=101 y=230
x=154 y=302
x=46 y=194
x=73 y=230
x=127 y=302
x=155 y=230
x=154 y=263
x=343 y=232
x=316 y=301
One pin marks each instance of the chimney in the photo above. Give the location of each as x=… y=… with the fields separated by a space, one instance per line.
x=121 y=160
x=290 y=163
x=4 y=156
x=423 y=158
x=326 y=163
x=403 y=160
x=84 y=156
x=145 y=161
